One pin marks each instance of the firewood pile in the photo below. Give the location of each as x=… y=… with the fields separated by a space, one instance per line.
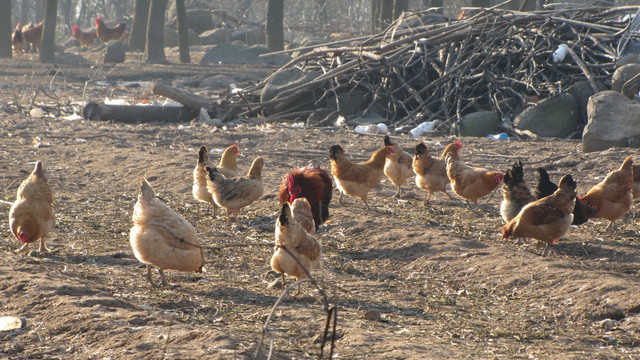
x=492 y=59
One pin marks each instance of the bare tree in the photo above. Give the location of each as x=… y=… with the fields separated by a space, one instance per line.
x=376 y=6
x=5 y=28
x=49 y=31
x=154 y=49
x=65 y=8
x=399 y=6
x=386 y=12
x=275 y=29
x=183 y=32
x=138 y=36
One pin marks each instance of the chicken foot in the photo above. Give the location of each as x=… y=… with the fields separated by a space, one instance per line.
x=43 y=248
x=23 y=248
x=164 y=280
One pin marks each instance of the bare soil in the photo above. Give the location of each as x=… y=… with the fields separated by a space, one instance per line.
x=443 y=281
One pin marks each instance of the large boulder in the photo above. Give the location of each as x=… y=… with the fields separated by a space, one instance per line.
x=614 y=120
x=250 y=35
x=284 y=80
x=582 y=91
x=240 y=54
x=200 y=20
x=215 y=36
x=115 y=52
x=556 y=116
x=481 y=123
x=622 y=75
x=171 y=37
x=350 y=102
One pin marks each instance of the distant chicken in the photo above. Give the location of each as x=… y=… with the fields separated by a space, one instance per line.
x=199 y=190
x=228 y=165
x=471 y=183
x=581 y=212
x=515 y=192
x=300 y=243
x=31 y=215
x=235 y=193
x=31 y=33
x=431 y=173
x=162 y=238
x=356 y=179
x=312 y=183
x=17 y=40
x=398 y=165
x=612 y=197
x=106 y=33
x=547 y=219
x=86 y=38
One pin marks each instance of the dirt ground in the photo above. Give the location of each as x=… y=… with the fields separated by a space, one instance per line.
x=443 y=281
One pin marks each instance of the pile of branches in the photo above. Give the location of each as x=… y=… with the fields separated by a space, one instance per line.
x=491 y=60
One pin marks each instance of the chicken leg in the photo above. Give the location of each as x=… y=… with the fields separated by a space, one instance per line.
x=43 y=249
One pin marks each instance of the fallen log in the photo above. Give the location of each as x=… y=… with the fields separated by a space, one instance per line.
x=133 y=114
x=192 y=101
x=217 y=109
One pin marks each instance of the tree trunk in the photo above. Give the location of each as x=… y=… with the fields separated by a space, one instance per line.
x=24 y=11
x=49 y=31
x=154 y=49
x=5 y=29
x=39 y=7
x=386 y=13
x=376 y=5
x=66 y=14
x=138 y=37
x=183 y=32
x=399 y=6
x=275 y=29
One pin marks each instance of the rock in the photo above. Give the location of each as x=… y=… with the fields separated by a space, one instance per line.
x=284 y=80
x=171 y=37
x=8 y=323
x=481 y=123
x=249 y=35
x=115 y=52
x=581 y=91
x=556 y=116
x=372 y=315
x=351 y=103
x=214 y=37
x=628 y=59
x=240 y=54
x=614 y=120
x=622 y=75
x=217 y=82
x=199 y=20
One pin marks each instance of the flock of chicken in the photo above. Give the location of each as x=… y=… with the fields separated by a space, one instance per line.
x=32 y=34
x=162 y=238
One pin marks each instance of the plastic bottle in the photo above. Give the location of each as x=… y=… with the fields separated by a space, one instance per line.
x=501 y=136
x=367 y=129
x=422 y=128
